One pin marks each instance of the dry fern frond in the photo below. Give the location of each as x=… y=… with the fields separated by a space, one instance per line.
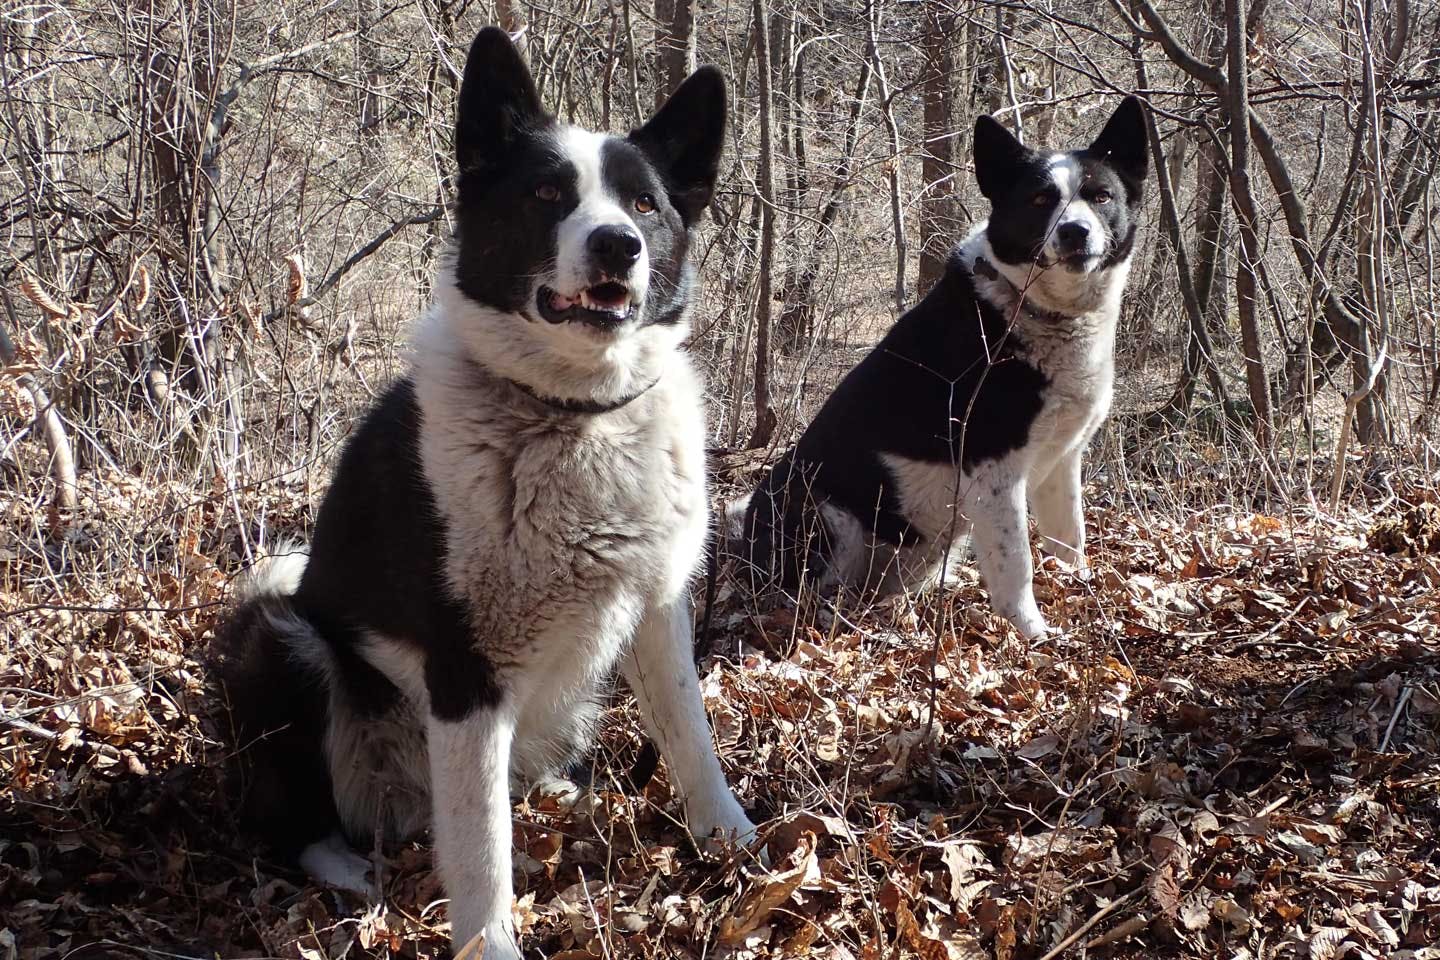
x=253 y=323
x=299 y=288
x=16 y=402
x=298 y=285
x=142 y=293
x=126 y=333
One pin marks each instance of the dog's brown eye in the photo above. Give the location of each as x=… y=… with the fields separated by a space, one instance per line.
x=645 y=203
x=548 y=192
x=1103 y=197
x=1040 y=199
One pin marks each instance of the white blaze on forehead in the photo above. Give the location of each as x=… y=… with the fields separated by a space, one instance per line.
x=1067 y=175
x=585 y=149
x=598 y=207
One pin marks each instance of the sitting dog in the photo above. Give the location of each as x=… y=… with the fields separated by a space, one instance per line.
x=519 y=515
x=984 y=394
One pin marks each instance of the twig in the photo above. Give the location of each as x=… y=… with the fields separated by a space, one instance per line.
x=24 y=726
x=336 y=275
x=1085 y=928
x=1120 y=931
x=62 y=457
x=1400 y=702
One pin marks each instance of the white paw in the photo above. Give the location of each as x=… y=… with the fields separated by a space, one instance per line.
x=331 y=861
x=725 y=823
x=496 y=942
x=1032 y=626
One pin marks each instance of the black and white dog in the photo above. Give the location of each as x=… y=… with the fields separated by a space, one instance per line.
x=516 y=518
x=984 y=394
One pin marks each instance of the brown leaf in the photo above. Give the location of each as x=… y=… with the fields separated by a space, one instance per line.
x=768 y=892
x=1165 y=890
x=1039 y=747
x=1326 y=942
x=965 y=862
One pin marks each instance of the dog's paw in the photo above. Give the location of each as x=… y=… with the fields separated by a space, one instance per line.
x=496 y=942
x=1033 y=627
x=727 y=823
x=332 y=862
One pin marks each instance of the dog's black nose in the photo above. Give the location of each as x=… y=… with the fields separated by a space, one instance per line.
x=615 y=248
x=1072 y=236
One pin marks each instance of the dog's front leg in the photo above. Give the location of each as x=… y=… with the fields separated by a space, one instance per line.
x=996 y=507
x=469 y=774
x=1059 y=512
x=661 y=671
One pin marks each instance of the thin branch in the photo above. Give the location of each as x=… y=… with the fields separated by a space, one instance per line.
x=47 y=418
x=1210 y=76
x=352 y=261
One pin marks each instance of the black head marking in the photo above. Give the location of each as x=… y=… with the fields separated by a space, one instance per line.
x=998 y=155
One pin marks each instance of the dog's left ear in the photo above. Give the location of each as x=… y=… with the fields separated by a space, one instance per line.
x=1124 y=141
x=685 y=140
x=498 y=101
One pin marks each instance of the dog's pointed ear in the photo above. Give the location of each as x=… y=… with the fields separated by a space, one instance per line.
x=998 y=155
x=498 y=101
x=685 y=140
x=1124 y=141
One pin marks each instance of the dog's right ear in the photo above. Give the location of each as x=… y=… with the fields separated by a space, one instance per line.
x=998 y=156
x=498 y=101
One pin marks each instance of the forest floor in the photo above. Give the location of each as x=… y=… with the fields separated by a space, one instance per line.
x=1231 y=750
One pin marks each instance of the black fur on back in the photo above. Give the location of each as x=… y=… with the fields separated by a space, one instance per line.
x=925 y=392
x=375 y=566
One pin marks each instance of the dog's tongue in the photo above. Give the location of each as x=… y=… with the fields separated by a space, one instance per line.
x=559 y=302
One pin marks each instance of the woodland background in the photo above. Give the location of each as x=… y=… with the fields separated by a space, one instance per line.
x=217 y=220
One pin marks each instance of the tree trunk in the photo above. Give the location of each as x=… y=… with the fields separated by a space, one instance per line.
x=1152 y=287
x=1247 y=218
x=938 y=223
x=798 y=318
x=764 y=412
x=372 y=96
x=676 y=20
x=1199 y=352
x=887 y=109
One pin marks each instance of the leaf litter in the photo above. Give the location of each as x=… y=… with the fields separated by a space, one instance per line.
x=1230 y=750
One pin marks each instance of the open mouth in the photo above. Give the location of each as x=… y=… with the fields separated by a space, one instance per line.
x=603 y=305
x=1076 y=262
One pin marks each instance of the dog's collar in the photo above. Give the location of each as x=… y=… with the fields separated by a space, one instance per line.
x=591 y=407
x=987 y=270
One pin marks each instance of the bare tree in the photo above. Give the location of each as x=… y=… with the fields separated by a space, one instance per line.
x=1248 y=217
x=887 y=111
x=765 y=419
x=675 y=36
x=938 y=222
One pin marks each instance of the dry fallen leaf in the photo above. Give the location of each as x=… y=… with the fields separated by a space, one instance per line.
x=769 y=891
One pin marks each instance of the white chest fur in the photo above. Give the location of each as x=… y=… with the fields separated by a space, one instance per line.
x=554 y=519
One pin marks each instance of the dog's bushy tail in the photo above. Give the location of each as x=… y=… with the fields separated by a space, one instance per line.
x=268 y=661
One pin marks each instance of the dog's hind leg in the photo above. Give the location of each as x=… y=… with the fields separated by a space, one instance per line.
x=273 y=665
x=661 y=671
x=1059 y=513
x=996 y=506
